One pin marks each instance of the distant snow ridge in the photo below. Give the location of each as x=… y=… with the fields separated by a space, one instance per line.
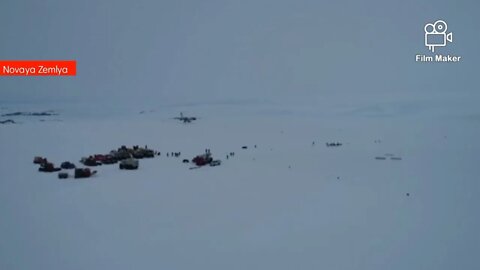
x=44 y=113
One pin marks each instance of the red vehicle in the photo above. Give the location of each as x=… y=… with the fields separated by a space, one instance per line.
x=109 y=159
x=99 y=158
x=48 y=167
x=202 y=160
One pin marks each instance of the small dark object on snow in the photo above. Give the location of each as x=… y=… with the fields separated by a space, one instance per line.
x=338 y=177
x=333 y=144
x=408 y=194
x=244 y=147
x=83 y=173
x=380 y=158
x=216 y=163
x=48 y=167
x=39 y=160
x=186 y=161
x=67 y=165
x=62 y=175
x=185 y=119
x=396 y=158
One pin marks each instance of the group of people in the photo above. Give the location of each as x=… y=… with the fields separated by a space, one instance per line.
x=231 y=154
x=173 y=154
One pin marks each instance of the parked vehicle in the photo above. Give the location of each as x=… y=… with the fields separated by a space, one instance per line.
x=84 y=173
x=139 y=153
x=121 y=154
x=216 y=163
x=148 y=153
x=99 y=157
x=143 y=153
x=202 y=160
x=39 y=160
x=128 y=164
x=48 y=167
x=109 y=159
x=90 y=161
x=67 y=165
x=62 y=175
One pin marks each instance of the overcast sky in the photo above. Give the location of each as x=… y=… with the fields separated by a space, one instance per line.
x=174 y=52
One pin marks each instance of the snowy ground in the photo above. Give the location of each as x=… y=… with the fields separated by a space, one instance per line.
x=286 y=204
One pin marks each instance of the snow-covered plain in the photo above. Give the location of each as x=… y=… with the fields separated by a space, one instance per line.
x=286 y=204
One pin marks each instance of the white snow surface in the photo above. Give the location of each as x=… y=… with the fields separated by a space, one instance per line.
x=286 y=204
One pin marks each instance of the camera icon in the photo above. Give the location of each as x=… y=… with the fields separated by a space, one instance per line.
x=435 y=35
